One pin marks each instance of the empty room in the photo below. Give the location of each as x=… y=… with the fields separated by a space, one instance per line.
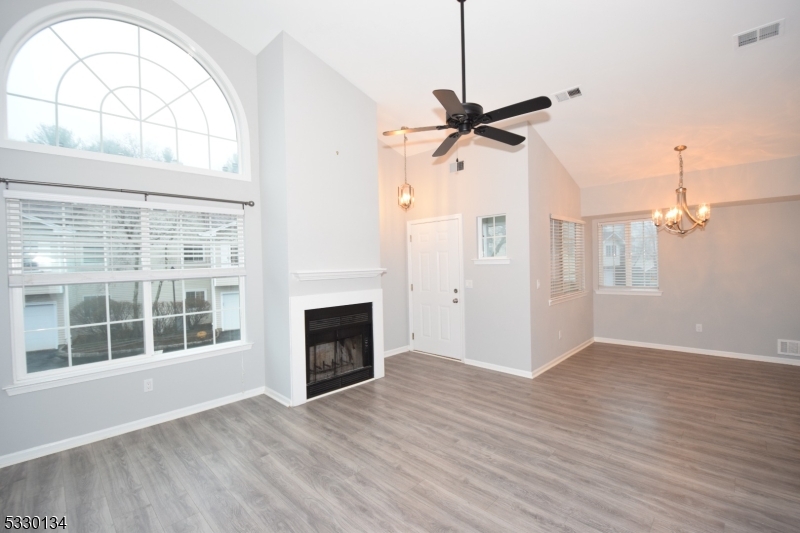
x=430 y=265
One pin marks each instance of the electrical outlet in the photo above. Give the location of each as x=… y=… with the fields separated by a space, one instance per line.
x=698 y=328
x=148 y=385
x=559 y=334
x=468 y=283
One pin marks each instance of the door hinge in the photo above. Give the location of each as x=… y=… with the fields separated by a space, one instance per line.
x=412 y=286
x=410 y=238
x=412 y=336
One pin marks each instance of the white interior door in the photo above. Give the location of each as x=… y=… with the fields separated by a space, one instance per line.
x=41 y=317
x=436 y=287
x=230 y=311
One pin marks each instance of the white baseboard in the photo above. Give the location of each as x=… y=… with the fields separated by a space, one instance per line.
x=278 y=397
x=561 y=358
x=525 y=373
x=88 y=438
x=701 y=351
x=395 y=351
x=499 y=368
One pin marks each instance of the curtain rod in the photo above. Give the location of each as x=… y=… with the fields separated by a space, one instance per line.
x=128 y=191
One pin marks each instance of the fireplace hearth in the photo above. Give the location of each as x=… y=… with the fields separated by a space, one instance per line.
x=339 y=350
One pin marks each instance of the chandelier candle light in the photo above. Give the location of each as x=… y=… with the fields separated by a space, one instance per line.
x=672 y=219
x=405 y=193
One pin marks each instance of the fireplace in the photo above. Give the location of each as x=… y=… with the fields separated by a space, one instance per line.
x=339 y=347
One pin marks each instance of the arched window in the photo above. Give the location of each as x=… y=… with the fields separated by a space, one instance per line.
x=108 y=86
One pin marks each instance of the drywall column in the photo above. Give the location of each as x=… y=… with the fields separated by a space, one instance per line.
x=553 y=191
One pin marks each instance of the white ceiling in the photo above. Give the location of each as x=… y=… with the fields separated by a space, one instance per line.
x=654 y=74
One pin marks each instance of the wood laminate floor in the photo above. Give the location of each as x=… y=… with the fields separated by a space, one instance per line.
x=613 y=439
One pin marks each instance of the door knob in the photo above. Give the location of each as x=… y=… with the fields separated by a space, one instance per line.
x=455 y=300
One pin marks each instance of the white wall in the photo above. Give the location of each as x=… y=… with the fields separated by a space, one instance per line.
x=42 y=417
x=553 y=192
x=739 y=278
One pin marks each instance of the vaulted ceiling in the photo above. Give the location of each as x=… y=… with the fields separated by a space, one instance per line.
x=653 y=74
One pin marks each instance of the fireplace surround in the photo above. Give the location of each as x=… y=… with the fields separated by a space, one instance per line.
x=299 y=304
x=339 y=347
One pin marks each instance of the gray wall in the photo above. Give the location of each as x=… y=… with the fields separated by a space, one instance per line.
x=393 y=249
x=320 y=190
x=739 y=277
x=494 y=181
x=553 y=191
x=752 y=181
x=51 y=415
x=274 y=222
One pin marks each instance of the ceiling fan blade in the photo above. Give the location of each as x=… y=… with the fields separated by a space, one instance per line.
x=450 y=102
x=415 y=130
x=521 y=108
x=447 y=144
x=499 y=135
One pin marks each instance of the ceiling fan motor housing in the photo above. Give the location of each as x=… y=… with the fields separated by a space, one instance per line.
x=465 y=123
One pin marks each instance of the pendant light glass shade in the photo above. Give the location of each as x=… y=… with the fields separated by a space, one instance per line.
x=405 y=193
x=405 y=196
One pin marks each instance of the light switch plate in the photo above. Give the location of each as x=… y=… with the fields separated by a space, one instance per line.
x=698 y=328
x=468 y=283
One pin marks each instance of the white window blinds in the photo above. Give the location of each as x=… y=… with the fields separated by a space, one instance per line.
x=628 y=254
x=61 y=240
x=566 y=258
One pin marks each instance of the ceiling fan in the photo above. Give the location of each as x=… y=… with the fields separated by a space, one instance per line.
x=468 y=117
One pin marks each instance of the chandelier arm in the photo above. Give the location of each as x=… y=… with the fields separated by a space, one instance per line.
x=685 y=208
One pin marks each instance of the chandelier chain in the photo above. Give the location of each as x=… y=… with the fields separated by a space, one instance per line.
x=680 y=159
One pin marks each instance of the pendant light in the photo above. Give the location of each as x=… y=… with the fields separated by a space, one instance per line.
x=671 y=220
x=405 y=193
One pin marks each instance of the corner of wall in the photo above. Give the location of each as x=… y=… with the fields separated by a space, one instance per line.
x=275 y=251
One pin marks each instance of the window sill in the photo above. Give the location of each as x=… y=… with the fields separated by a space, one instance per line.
x=567 y=298
x=492 y=261
x=33 y=384
x=111 y=158
x=629 y=292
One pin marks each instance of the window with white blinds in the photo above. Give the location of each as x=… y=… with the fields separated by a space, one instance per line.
x=66 y=240
x=98 y=284
x=627 y=255
x=567 y=278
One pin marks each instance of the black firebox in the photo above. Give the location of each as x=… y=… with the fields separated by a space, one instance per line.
x=338 y=347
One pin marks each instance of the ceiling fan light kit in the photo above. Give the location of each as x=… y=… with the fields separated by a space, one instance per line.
x=671 y=219
x=468 y=117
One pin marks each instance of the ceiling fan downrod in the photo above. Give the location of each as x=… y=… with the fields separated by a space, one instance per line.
x=463 y=58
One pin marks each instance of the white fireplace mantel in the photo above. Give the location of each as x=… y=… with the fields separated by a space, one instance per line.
x=298 y=307
x=315 y=275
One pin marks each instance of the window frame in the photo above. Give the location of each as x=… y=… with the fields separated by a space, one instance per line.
x=31 y=24
x=27 y=382
x=581 y=272
x=496 y=259
x=619 y=291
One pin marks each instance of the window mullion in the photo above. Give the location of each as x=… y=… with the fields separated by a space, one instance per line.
x=147 y=304
x=628 y=256
x=108 y=319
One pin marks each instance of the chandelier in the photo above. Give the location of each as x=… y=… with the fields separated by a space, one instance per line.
x=673 y=217
x=405 y=193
